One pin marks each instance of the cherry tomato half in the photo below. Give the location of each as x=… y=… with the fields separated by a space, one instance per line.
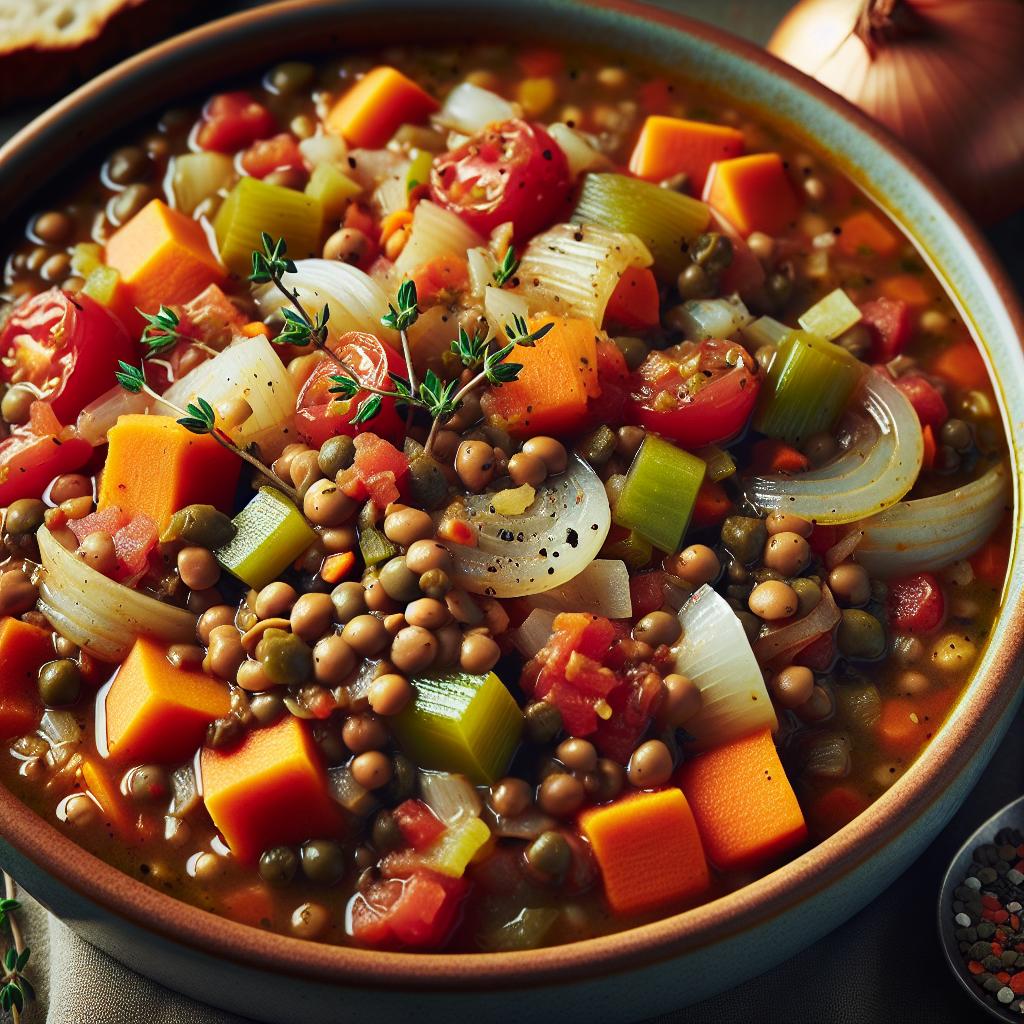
x=67 y=346
x=695 y=394
x=232 y=120
x=512 y=171
x=321 y=415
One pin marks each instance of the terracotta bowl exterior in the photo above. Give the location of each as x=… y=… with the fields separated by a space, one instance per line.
x=675 y=961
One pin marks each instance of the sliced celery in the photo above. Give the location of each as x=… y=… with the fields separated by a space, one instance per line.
x=664 y=220
x=101 y=284
x=634 y=550
x=764 y=331
x=270 y=534
x=830 y=316
x=86 y=257
x=456 y=847
x=460 y=723
x=332 y=189
x=719 y=462
x=252 y=207
x=419 y=169
x=659 y=494
x=807 y=387
x=374 y=546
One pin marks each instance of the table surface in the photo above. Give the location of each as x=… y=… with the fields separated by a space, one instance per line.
x=886 y=962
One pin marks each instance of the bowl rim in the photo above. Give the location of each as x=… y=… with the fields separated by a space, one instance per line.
x=756 y=903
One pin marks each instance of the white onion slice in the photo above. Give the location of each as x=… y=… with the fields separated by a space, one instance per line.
x=573 y=269
x=392 y=192
x=601 y=589
x=714 y=318
x=102 y=413
x=450 y=796
x=482 y=266
x=931 y=533
x=555 y=539
x=248 y=368
x=468 y=109
x=60 y=727
x=197 y=176
x=715 y=653
x=534 y=632
x=435 y=232
x=101 y=616
x=874 y=473
x=356 y=301
x=581 y=155
x=501 y=307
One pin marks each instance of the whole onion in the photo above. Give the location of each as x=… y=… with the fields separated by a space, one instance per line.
x=945 y=76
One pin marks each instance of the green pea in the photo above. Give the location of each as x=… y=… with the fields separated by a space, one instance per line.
x=543 y=722
x=400 y=583
x=24 y=516
x=385 y=833
x=695 y=283
x=60 y=683
x=323 y=861
x=290 y=77
x=435 y=583
x=202 y=525
x=744 y=538
x=634 y=350
x=336 y=454
x=427 y=484
x=808 y=595
x=286 y=660
x=549 y=856
x=713 y=252
x=860 y=635
x=224 y=732
x=278 y=865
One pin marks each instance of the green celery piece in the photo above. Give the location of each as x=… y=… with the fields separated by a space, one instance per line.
x=807 y=387
x=719 y=462
x=253 y=207
x=101 y=284
x=527 y=930
x=664 y=220
x=419 y=169
x=659 y=494
x=374 y=546
x=332 y=189
x=830 y=316
x=460 y=723
x=86 y=257
x=271 y=534
x=634 y=550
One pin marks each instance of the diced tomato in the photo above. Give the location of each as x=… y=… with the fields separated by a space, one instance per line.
x=888 y=320
x=633 y=706
x=232 y=120
x=67 y=346
x=712 y=506
x=929 y=405
x=381 y=466
x=772 y=456
x=418 y=911
x=635 y=303
x=822 y=538
x=511 y=171
x=28 y=462
x=695 y=394
x=917 y=605
x=319 y=417
x=418 y=824
x=106 y=520
x=930 y=448
x=441 y=280
x=132 y=545
x=646 y=592
x=278 y=153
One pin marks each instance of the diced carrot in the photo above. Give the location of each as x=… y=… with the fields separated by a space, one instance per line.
x=100 y=782
x=865 y=232
x=155 y=467
x=989 y=562
x=255 y=328
x=669 y=145
x=441 y=277
x=635 y=303
x=337 y=567
x=42 y=420
x=648 y=849
x=772 y=456
x=908 y=287
x=753 y=192
x=163 y=257
x=376 y=106
x=962 y=365
x=558 y=375
x=835 y=808
x=745 y=808
x=250 y=904
x=392 y=222
x=712 y=506
x=156 y=712
x=538 y=62
x=906 y=723
x=928 y=436
x=268 y=790
x=457 y=531
x=24 y=649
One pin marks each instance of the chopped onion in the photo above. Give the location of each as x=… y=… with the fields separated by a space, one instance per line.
x=392 y=192
x=369 y=167
x=714 y=652
x=102 y=413
x=324 y=149
x=601 y=589
x=555 y=539
x=468 y=109
x=249 y=369
x=356 y=301
x=832 y=315
x=450 y=796
x=579 y=151
x=931 y=533
x=873 y=473
x=527 y=825
x=574 y=268
x=714 y=318
x=353 y=796
x=435 y=232
x=185 y=794
x=60 y=727
x=482 y=266
x=501 y=307
x=779 y=646
x=534 y=632
x=101 y=616
x=197 y=176
x=842 y=549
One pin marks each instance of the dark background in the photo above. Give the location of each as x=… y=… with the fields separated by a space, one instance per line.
x=886 y=963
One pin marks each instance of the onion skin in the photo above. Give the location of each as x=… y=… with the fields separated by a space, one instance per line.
x=945 y=76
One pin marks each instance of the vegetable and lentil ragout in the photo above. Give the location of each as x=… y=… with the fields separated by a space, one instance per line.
x=478 y=501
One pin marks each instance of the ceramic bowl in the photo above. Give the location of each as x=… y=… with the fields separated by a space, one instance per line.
x=688 y=956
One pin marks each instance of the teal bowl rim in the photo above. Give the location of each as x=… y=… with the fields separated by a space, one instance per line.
x=803 y=109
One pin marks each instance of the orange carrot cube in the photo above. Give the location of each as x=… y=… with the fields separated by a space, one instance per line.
x=670 y=145
x=865 y=233
x=102 y=784
x=24 y=649
x=376 y=106
x=753 y=192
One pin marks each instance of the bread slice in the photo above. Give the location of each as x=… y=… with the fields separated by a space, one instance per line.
x=46 y=45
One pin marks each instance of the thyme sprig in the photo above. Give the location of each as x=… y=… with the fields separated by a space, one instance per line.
x=161 y=333
x=198 y=417
x=15 y=988
x=508 y=268
x=401 y=320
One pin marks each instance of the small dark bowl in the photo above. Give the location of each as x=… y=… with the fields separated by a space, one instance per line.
x=1011 y=816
